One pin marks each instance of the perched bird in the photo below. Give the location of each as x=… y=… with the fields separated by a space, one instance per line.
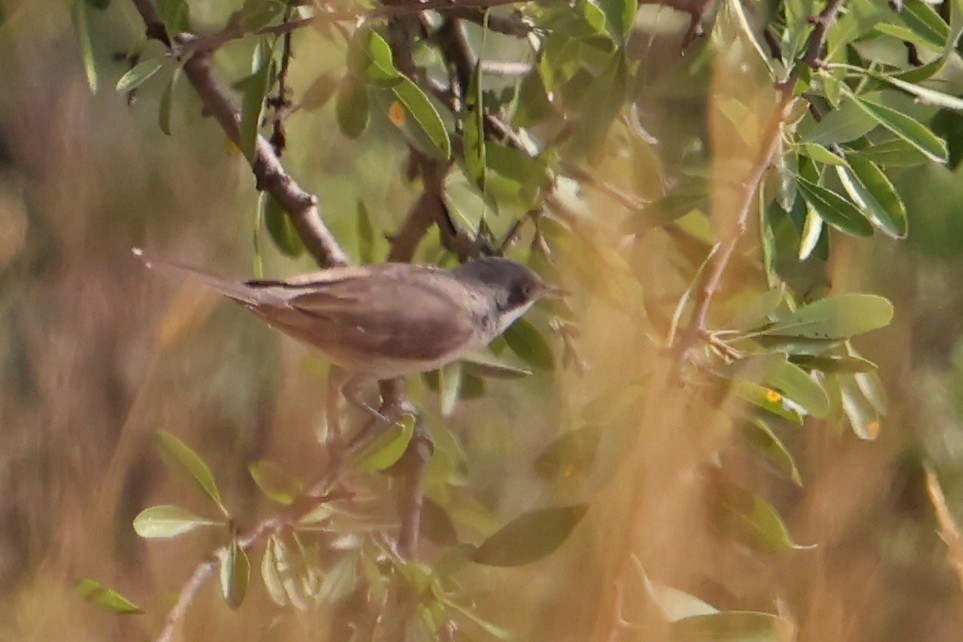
x=385 y=320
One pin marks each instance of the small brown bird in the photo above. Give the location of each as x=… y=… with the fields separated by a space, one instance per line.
x=386 y=320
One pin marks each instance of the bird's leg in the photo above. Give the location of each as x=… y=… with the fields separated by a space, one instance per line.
x=352 y=390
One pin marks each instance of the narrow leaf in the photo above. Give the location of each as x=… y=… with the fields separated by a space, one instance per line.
x=351 y=107
x=166 y=521
x=81 y=23
x=837 y=317
x=834 y=209
x=527 y=342
x=182 y=459
x=869 y=187
x=166 y=103
x=235 y=574
x=761 y=437
x=385 y=449
x=570 y=457
x=269 y=573
x=275 y=482
x=909 y=129
x=281 y=228
x=109 y=599
x=812 y=230
x=732 y=626
x=366 y=234
x=530 y=537
x=252 y=102
x=751 y=520
x=138 y=74
x=796 y=384
x=449 y=383
x=419 y=107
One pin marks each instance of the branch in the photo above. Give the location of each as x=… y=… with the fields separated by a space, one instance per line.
x=727 y=245
x=469 y=9
x=270 y=174
x=265 y=528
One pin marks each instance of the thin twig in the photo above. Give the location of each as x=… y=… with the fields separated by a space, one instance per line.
x=234 y=31
x=208 y=567
x=269 y=173
x=770 y=145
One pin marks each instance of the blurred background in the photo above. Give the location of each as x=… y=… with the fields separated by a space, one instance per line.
x=97 y=356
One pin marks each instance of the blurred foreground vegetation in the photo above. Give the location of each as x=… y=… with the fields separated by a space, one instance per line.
x=97 y=357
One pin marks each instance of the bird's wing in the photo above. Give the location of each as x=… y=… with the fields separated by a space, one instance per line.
x=387 y=310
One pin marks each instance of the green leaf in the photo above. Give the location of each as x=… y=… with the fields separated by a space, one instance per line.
x=909 y=129
x=811 y=233
x=796 y=384
x=838 y=317
x=166 y=102
x=384 y=450
x=619 y=16
x=300 y=579
x=180 y=458
x=175 y=14
x=862 y=415
x=730 y=626
x=834 y=209
x=449 y=387
x=81 y=19
x=371 y=60
x=252 y=102
x=527 y=342
x=165 y=522
x=570 y=457
x=674 y=604
x=842 y=125
x=761 y=437
x=269 y=573
x=893 y=152
x=235 y=574
x=924 y=21
x=419 y=108
x=751 y=520
x=484 y=365
x=109 y=599
x=834 y=363
x=365 y=234
x=351 y=107
x=275 y=482
x=820 y=154
x=257 y=14
x=341 y=581
x=138 y=74
x=530 y=537
x=869 y=187
x=319 y=92
x=281 y=228
x=765 y=398
x=601 y=104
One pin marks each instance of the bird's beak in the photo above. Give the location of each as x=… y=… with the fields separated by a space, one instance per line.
x=554 y=291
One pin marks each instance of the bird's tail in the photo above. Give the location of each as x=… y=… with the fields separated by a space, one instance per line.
x=237 y=290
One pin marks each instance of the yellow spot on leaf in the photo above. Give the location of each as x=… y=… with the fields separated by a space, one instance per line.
x=872 y=429
x=773 y=396
x=396 y=114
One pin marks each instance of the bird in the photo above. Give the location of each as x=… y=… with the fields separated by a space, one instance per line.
x=384 y=320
